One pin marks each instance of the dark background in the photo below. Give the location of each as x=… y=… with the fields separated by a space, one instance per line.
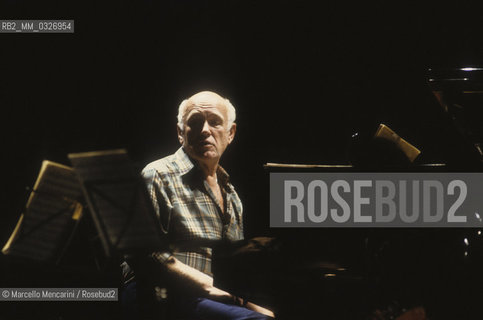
x=303 y=75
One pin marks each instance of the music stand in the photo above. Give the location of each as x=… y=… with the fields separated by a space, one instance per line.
x=118 y=201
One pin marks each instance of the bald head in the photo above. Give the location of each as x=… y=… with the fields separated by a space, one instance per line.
x=206 y=99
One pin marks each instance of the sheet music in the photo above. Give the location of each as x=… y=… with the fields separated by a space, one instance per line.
x=50 y=214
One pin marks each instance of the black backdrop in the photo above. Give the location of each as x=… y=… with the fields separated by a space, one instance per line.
x=303 y=75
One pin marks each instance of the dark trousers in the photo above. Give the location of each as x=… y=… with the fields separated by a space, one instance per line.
x=206 y=309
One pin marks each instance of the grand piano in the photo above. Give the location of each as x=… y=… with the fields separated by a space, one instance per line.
x=369 y=273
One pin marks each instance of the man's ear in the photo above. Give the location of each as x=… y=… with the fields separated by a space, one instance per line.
x=231 y=133
x=180 y=135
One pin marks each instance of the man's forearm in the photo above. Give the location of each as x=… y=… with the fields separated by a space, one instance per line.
x=203 y=283
x=195 y=280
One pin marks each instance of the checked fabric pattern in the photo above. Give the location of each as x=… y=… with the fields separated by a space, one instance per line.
x=187 y=210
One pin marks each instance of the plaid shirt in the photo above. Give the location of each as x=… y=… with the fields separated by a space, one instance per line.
x=188 y=212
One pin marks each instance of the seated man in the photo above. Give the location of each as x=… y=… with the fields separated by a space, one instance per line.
x=196 y=203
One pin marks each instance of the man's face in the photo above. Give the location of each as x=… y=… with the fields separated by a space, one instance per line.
x=206 y=135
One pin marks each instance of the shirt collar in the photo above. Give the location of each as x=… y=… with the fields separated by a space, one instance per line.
x=186 y=165
x=184 y=162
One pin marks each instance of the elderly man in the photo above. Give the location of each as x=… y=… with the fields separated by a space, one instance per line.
x=196 y=204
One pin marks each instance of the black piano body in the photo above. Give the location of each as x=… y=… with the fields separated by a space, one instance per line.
x=373 y=273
